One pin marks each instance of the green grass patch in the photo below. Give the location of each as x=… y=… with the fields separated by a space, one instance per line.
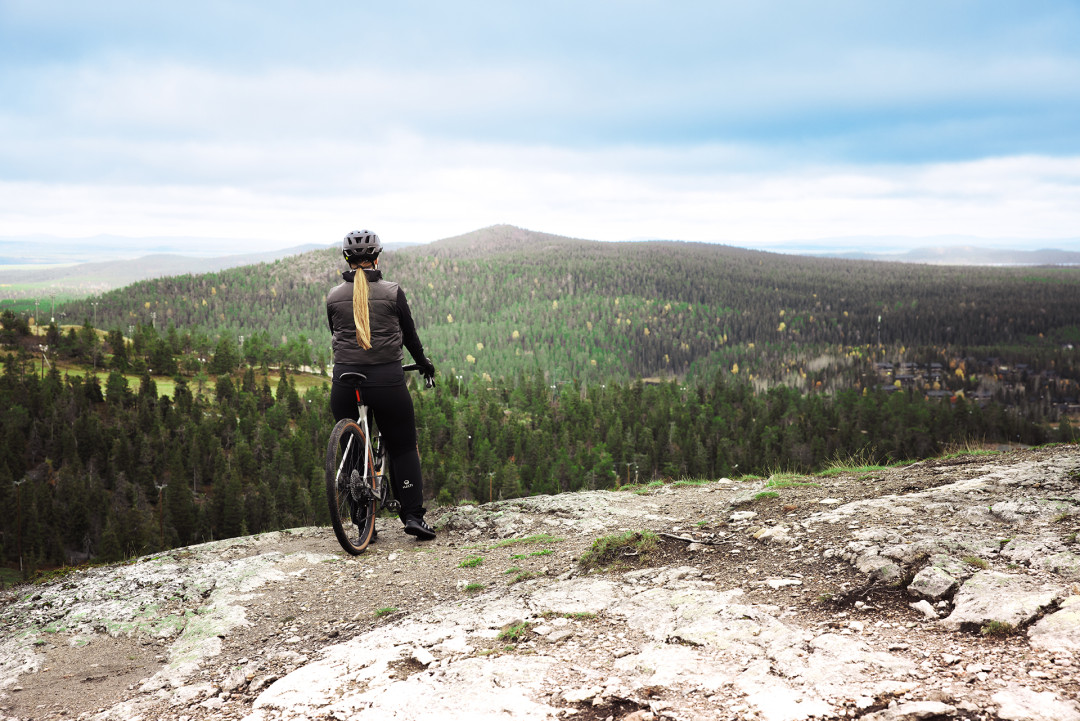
x=514 y=632
x=522 y=556
x=968 y=447
x=839 y=470
x=385 y=611
x=790 y=484
x=166 y=385
x=976 y=562
x=538 y=538
x=766 y=494
x=302 y=382
x=9 y=577
x=619 y=547
x=55 y=574
x=473 y=588
x=691 y=482
x=860 y=460
x=523 y=576
x=471 y=562
x=513 y=569
x=998 y=629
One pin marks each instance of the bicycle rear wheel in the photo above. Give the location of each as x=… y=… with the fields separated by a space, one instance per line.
x=350 y=486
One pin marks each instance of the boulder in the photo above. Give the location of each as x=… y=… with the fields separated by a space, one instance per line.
x=933 y=583
x=1003 y=598
x=1060 y=631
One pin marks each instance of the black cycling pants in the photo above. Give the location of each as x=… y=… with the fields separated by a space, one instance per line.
x=393 y=410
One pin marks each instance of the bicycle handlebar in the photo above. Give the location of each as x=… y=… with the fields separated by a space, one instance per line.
x=429 y=381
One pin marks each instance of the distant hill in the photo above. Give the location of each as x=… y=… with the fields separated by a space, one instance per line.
x=117 y=273
x=32 y=276
x=968 y=255
x=51 y=249
x=86 y=279
x=502 y=299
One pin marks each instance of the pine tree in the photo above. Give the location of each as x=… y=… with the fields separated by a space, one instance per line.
x=226 y=358
x=232 y=508
x=109 y=547
x=179 y=500
x=118 y=347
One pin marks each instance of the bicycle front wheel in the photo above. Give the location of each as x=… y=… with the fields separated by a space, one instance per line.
x=350 y=486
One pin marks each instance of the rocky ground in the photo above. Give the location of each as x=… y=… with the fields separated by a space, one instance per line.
x=945 y=589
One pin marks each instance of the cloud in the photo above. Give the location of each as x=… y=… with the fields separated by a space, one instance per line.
x=842 y=80
x=438 y=193
x=703 y=121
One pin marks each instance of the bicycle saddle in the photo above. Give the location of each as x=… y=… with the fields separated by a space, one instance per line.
x=351 y=378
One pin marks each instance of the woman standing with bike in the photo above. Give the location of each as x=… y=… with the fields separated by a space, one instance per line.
x=370 y=321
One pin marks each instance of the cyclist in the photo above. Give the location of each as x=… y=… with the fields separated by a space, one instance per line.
x=370 y=321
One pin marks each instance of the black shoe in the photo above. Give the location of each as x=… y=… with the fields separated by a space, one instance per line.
x=417 y=527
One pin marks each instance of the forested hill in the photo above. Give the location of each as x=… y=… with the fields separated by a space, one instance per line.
x=501 y=299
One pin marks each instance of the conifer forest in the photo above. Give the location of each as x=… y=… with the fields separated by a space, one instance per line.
x=192 y=408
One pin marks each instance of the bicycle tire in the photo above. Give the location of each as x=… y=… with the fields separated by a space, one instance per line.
x=347 y=514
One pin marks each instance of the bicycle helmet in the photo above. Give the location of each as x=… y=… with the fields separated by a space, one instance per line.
x=361 y=245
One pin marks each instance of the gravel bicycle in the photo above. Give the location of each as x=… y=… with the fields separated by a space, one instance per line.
x=358 y=472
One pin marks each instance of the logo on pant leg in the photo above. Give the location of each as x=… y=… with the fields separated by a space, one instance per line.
x=406 y=483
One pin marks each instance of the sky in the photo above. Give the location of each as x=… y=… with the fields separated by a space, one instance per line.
x=772 y=125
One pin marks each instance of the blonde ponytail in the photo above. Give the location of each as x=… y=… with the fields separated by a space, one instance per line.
x=360 y=310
